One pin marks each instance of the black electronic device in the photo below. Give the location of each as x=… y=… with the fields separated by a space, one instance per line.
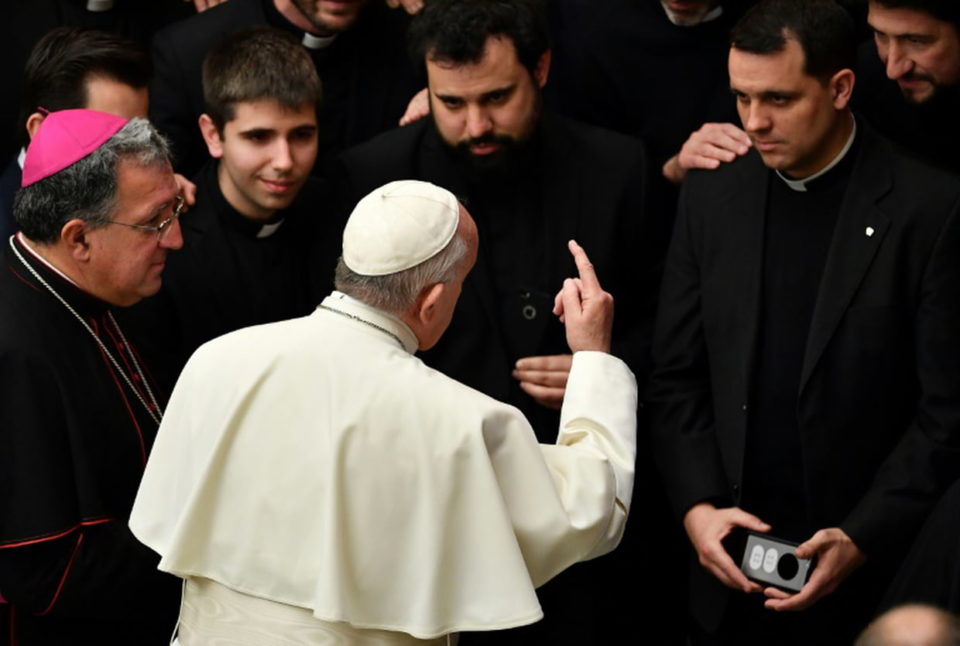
x=773 y=561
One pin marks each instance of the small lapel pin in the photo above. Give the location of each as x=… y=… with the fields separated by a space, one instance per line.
x=869 y=232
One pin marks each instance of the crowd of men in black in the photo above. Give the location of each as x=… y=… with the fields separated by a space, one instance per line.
x=768 y=189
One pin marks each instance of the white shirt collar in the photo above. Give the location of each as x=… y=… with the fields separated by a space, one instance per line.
x=800 y=185
x=268 y=230
x=99 y=5
x=388 y=323
x=311 y=41
x=22 y=157
x=681 y=21
x=29 y=247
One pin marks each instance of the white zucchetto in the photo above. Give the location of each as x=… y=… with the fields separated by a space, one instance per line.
x=399 y=226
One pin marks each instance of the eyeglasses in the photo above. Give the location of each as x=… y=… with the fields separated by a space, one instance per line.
x=162 y=228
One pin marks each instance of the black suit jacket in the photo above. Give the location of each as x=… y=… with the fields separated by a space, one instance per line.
x=366 y=76
x=879 y=400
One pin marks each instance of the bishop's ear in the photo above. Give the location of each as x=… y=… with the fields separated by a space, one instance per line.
x=211 y=136
x=73 y=237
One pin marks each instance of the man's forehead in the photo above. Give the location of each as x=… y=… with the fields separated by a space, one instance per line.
x=895 y=21
x=499 y=60
x=767 y=72
x=269 y=114
x=146 y=183
x=105 y=94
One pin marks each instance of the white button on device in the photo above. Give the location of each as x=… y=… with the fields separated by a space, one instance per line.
x=770 y=560
x=756 y=557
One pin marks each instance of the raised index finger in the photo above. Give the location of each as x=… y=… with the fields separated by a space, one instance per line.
x=588 y=277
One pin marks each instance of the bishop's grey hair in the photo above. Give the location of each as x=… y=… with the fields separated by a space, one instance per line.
x=87 y=189
x=397 y=292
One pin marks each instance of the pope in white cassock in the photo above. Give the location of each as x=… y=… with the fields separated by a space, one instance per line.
x=313 y=481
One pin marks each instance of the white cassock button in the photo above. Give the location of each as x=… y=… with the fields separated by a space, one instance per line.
x=869 y=231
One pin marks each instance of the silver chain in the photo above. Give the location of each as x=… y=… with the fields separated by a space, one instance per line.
x=364 y=321
x=155 y=416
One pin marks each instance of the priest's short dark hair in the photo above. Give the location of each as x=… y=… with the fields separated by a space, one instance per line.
x=66 y=58
x=456 y=31
x=255 y=64
x=824 y=30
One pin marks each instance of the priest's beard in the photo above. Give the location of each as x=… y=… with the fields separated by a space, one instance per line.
x=511 y=161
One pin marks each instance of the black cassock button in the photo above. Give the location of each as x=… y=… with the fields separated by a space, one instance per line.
x=529 y=312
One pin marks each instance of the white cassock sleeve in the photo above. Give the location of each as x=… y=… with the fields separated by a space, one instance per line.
x=572 y=505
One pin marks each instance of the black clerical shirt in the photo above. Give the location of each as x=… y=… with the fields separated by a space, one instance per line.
x=798 y=230
x=507 y=204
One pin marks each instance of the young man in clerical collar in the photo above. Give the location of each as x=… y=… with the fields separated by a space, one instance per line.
x=253 y=234
x=261 y=91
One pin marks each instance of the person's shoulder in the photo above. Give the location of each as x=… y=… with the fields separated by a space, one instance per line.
x=912 y=176
x=393 y=143
x=205 y=28
x=589 y=139
x=443 y=397
x=377 y=21
x=39 y=323
x=389 y=155
x=255 y=346
x=745 y=172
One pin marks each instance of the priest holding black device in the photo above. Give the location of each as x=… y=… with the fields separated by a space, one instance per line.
x=807 y=347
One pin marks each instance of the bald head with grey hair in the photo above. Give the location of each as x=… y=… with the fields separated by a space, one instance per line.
x=401 y=239
x=397 y=292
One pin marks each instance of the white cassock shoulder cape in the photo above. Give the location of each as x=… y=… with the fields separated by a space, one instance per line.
x=317 y=463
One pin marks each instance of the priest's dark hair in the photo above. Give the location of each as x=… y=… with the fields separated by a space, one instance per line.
x=946 y=10
x=255 y=64
x=66 y=58
x=824 y=30
x=455 y=31
x=87 y=189
x=397 y=292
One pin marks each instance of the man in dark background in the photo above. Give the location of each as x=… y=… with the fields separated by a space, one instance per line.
x=910 y=76
x=357 y=47
x=806 y=353
x=73 y=67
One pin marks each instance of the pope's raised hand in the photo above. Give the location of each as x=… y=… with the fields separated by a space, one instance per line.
x=585 y=309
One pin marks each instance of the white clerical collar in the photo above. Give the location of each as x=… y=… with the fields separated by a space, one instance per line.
x=29 y=247
x=385 y=322
x=22 y=157
x=268 y=230
x=99 y=5
x=800 y=185
x=682 y=21
x=311 y=41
